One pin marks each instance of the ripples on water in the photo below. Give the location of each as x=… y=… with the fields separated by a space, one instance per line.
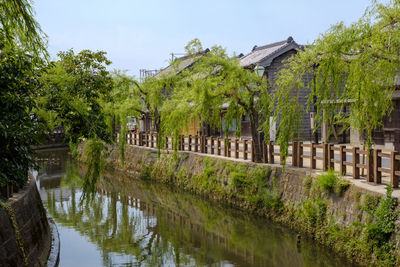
x=128 y=222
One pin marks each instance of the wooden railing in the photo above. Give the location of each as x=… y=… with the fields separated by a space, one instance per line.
x=231 y=147
x=347 y=160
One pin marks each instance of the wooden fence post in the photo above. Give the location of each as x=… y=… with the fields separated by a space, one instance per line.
x=394 y=164
x=236 y=148
x=294 y=153
x=166 y=142
x=325 y=156
x=300 y=154
x=313 y=155
x=212 y=145
x=370 y=165
x=356 y=160
x=270 y=152
x=377 y=165
x=196 y=143
x=147 y=140
x=228 y=150
x=252 y=151
x=218 y=146
x=190 y=142
x=265 y=152
x=245 y=149
x=205 y=145
x=140 y=139
x=331 y=157
x=342 y=159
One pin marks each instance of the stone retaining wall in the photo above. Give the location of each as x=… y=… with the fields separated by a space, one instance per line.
x=346 y=209
x=32 y=228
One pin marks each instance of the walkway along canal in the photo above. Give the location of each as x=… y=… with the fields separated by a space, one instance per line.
x=133 y=222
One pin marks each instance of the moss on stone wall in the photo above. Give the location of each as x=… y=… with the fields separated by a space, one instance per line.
x=359 y=225
x=20 y=244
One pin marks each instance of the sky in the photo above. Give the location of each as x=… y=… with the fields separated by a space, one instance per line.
x=142 y=34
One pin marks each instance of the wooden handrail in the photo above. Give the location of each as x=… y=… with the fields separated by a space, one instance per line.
x=244 y=149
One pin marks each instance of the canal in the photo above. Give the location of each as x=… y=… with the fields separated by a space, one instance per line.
x=129 y=222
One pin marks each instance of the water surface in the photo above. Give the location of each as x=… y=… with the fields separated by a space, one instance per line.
x=128 y=222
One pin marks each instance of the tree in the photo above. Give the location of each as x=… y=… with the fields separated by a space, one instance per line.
x=21 y=44
x=19 y=128
x=354 y=65
x=73 y=88
x=19 y=28
x=214 y=80
x=123 y=101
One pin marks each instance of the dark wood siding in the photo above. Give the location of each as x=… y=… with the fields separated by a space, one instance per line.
x=305 y=132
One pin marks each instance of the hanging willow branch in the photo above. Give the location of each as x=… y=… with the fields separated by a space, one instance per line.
x=354 y=66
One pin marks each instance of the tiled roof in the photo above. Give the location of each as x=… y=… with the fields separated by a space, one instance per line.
x=180 y=64
x=265 y=54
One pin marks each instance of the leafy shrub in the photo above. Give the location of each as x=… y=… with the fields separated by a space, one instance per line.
x=313 y=212
x=370 y=202
x=307 y=183
x=341 y=186
x=239 y=180
x=330 y=182
x=327 y=181
x=272 y=200
x=381 y=226
x=145 y=172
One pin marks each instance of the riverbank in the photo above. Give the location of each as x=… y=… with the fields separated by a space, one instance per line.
x=25 y=235
x=351 y=220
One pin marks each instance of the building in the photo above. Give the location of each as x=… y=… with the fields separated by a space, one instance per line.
x=270 y=59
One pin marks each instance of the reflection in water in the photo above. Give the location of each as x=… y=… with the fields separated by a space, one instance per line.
x=129 y=222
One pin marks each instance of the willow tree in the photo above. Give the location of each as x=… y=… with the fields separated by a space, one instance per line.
x=217 y=81
x=122 y=102
x=355 y=66
x=18 y=27
x=153 y=92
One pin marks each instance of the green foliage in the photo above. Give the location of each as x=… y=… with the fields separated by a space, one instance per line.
x=330 y=182
x=213 y=80
x=271 y=200
x=341 y=186
x=370 y=202
x=354 y=65
x=122 y=102
x=383 y=222
x=145 y=172
x=72 y=91
x=95 y=154
x=19 y=128
x=313 y=212
x=21 y=45
x=327 y=181
x=239 y=180
x=17 y=233
x=18 y=27
x=307 y=183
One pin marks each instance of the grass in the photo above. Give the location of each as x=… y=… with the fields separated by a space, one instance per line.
x=330 y=182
